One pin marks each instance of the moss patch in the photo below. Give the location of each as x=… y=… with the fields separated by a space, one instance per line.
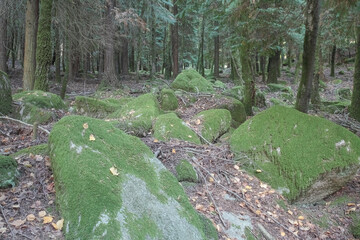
x=5 y=94
x=168 y=100
x=192 y=81
x=136 y=116
x=41 y=149
x=169 y=126
x=276 y=87
x=260 y=100
x=186 y=172
x=8 y=172
x=99 y=205
x=344 y=93
x=30 y=113
x=213 y=123
x=304 y=157
x=40 y=99
x=237 y=92
x=236 y=108
x=98 y=108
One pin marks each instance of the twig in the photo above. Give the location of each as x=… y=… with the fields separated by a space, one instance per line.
x=4 y=133
x=24 y=123
x=7 y=223
x=266 y=234
x=277 y=222
x=249 y=229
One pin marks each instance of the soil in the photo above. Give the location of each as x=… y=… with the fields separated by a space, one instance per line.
x=26 y=209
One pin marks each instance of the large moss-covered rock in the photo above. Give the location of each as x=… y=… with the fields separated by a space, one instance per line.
x=8 y=172
x=305 y=157
x=186 y=172
x=237 y=92
x=192 y=81
x=169 y=126
x=277 y=87
x=5 y=94
x=236 y=108
x=136 y=116
x=344 y=93
x=35 y=106
x=98 y=108
x=168 y=100
x=213 y=123
x=109 y=185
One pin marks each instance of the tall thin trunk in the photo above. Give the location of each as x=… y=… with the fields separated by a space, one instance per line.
x=307 y=75
x=355 y=99
x=43 y=50
x=31 y=26
x=216 y=54
x=57 y=55
x=132 y=58
x=263 y=67
x=152 y=45
x=298 y=65
x=333 y=55
x=3 y=37
x=168 y=65
x=125 y=57
x=175 y=42
x=273 y=67
x=200 y=62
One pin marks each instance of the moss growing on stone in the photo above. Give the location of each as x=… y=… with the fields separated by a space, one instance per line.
x=41 y=149
x=5 y=94
x=136 y=117
x=337 y=81
x=169 y=126
x=236 y=108
x=8 y=172
x=30 y=113
x=344 y=93
x=333 y=107
x=236 y=92
x=260 y=100
x=219 y=84
x=168 y=100
x=96 y=107
x=40 y=99
x=192 y=81
x=276 y=87
x=305 y=157
x=97 y=204
x=213 y=123
x=186 y=172
x=355 y=227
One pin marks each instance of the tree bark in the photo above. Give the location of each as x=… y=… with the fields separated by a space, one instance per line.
x=333 y=55
x=355 y=99
x=31 y=26
x=273 y=67
x=200 y=62
x=43 y=49
x=175 y=42
x=132 y=58
x=307 y=75
x=263 y=67
x=57 y=55
x=3 y=38
x=216 y=55
x=125 y=57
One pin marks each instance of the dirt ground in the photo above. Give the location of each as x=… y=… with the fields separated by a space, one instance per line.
x=26 y=210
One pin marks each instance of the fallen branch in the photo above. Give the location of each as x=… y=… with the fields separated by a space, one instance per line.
x=265 y=233
x=24 y=123
x=6 y=221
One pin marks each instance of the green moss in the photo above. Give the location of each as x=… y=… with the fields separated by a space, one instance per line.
x=249 y=235
x=341 y=200
x=30 y=113
x=41 y=149
x=186 y=172
x=333 y=107
x=294 y=149
x=355 y=227
x=40 y=99
x=337 y=81
x=168 y=100
x=236 y=108
x=136 y=117
x=344 y=93
x=282 y=204
x=322 y=84
x=236 y=92
x=95 y=107
x=219 y=84
x=169 y=126
x=98 y=205
x=192 y=81
x=8 y=172
x=276 y=87
x=260 y=100
x=214 y=123
x=5 y=94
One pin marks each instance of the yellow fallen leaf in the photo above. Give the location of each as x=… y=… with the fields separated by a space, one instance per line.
x=173 y=150
x=85 y=126
x=58 y=225
x=155 y=140
x=258 y=212
x=263 y=185
x=114 y=171
x=18 y=223
x=190 y=136
x=290 y=212
x=301 y=218
x=198 y=122
x=47 y=219
x=350 y=210
x=248 y=187
x=351 y=204
x=282 y=233
x=30 y=217
x=92 y=137
x=236 y=167
x=199 y=207
x=211 y=179
x=258 y=171
x=42 y=214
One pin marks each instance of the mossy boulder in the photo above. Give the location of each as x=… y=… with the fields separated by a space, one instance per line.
x=8 y=172
x=277 y=87
x=304 y=157
x=109 y=185
x=237 y=92
x=5 y=94
x=98 y=108
x=260 y=100
x=192 y=81
x=337 y=81
x=219 y=84
x=169 y=126
x=236 y=108
x=186 y=172
x=41 y=149
x=344 y=93
x=168 y=100
x=213 y=123
x=336 y=106
x=136 y=117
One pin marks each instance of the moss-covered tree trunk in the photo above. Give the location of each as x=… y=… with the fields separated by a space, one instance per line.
x=298 y=66
x=332 y=62
x=5 y=94
x=263 y=67
x=311 y=25
x=355 y=100
x=273 y=67
x=249 y=98
x=216 y=53
x=3 y=38
x=175 y=42
x=57 y=51
x=31 y=26
x=168 y=65
x=43 y=49
x=125 y=57
x=200 y=61
x=132 y=58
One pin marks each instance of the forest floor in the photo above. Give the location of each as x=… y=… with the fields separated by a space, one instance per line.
x=28 y=209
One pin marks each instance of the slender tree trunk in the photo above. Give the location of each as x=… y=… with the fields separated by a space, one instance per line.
x=289 y=56
x=249 y=97
x=355 y=99
x=43 y=49
x=307 y=75
x=257 y=68
x=31 y=26
x=200 y=63
x=216 y=53
x=175 y=42
x=125 y=57
x=333 y=55
x=168 y=65
x=57 y=55
x=273 y=67
x=109 y=76
x=152 y=63
x=3 y=37
x=263 y=67
x=132 y=58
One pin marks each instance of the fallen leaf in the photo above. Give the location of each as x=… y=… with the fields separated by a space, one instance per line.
x=198 y=122
x=173 y=150
x=18 y=223
x=199 y=207
x=258 y=212
x=92 y=138
x=211 y=179
x=290 y=212
x=85 y=126
x=131 y=112
x=248 y=187
x=301 y=218
x=155 y=140
x=190 y=136
x=30 y=217
x=47 y=219
x=2 y=230
x=58 y=225
x=351 y=204
x=42 y=214
x=263 y=185
x=114 y=171
x=236 y=167
x=350 y=210
x=282 y=233
x=258 y=171
x=304 y=228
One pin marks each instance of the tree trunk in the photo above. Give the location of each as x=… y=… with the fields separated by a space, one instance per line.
x=175 y=42
x=355 y=99
x=307 y=75
x=289 y=56
x=3 y=38
x=333 y=55
x=152 y=59
x=43 y=49
x=263 y=67
x=168 y=65
x=216 y=53
x=132 y=58
x=57 y=56
x=315 y=95
x=249 y=97
x=109 y=76
x=31 y=25
x=200 y=62
x=125 y=57
x=297 y=66
x=273 y=67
